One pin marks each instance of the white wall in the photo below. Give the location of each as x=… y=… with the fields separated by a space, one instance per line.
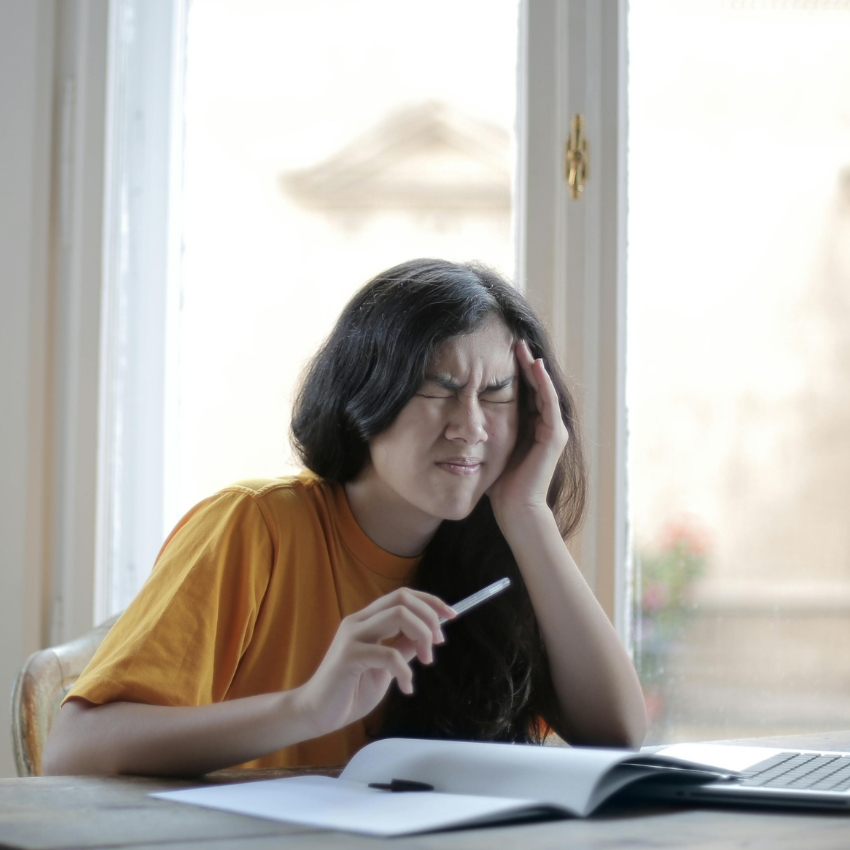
x=26 y=66
x=52 y=117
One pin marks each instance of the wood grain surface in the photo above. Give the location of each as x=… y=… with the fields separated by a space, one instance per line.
x=53 y=813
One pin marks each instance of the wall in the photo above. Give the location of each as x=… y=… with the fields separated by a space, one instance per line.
x=53 y=62
x=26 y=52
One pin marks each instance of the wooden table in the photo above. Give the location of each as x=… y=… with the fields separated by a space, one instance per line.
x=50 y=813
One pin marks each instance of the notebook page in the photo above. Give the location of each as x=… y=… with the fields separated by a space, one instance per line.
x=566 y=777
x=325 y=803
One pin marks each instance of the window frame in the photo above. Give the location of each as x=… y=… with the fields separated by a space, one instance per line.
x=572 y=253
x=140 y=307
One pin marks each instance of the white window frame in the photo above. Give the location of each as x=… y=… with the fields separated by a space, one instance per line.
x=79 y=96
x=572 y=253
x=28 y=64
x=142 y=254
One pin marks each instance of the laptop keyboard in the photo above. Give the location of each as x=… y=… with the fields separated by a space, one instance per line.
x=808 y=771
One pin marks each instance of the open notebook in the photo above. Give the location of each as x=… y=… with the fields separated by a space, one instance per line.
x=481 y=783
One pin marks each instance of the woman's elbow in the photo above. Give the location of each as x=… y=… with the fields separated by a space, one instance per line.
x=68 y=750
x=625 y=730
x=631 y=730
x=53 y=759
x=631 y=736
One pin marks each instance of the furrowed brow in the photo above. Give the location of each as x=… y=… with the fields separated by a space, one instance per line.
x=499 y=384
x=444 y=380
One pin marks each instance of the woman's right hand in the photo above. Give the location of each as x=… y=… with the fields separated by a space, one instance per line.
x=370 y=649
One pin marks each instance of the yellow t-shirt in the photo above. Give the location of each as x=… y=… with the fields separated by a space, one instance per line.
x=245 y=597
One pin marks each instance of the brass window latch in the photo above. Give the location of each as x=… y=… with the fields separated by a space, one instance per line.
x=576 y=159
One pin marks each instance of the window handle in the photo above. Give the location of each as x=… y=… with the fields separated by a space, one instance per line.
x=576 y=159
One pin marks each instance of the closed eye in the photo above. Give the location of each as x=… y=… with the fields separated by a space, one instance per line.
x=500 y=393
x=432 y=389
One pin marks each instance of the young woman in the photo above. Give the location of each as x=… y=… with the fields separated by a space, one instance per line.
x=289 y=621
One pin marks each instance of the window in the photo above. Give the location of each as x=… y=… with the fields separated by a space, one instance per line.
x=739 y=367
x=335 y=140
x=141 y=250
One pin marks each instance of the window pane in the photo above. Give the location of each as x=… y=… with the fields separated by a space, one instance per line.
x=739 y=364
x=326 y=141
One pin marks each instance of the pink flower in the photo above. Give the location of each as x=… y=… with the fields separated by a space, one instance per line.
x=654 y=597
x=688 y=533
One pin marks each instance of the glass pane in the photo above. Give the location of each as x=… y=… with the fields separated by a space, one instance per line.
x=739 y=364
x=326 y=141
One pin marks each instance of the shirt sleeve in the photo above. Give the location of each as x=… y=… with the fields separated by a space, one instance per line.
x=181 y=639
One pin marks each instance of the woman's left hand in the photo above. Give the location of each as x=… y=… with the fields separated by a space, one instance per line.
x=525 y=481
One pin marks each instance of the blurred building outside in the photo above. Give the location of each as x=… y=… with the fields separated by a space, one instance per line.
x=739 y=363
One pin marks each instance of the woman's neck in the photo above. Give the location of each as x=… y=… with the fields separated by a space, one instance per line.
x=386 y=518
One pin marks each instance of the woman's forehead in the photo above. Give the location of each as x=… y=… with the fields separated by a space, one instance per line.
x=489 y=349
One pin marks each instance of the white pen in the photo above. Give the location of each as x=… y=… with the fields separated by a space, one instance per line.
x=477 y=598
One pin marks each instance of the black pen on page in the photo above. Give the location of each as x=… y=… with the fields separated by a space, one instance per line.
x=401 y=785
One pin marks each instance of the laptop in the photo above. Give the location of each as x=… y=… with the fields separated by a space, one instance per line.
x=753 y=776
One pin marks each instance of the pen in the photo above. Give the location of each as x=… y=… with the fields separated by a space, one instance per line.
x=399 y=785
x=477 y=598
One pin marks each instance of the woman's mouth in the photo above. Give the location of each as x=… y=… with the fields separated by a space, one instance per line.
x=460 y=465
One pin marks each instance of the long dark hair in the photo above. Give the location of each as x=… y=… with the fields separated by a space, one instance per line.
x=491 y=681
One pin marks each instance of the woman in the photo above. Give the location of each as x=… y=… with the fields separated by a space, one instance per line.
x=442 y=444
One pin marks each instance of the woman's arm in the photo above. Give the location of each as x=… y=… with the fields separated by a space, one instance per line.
x=357 y=670
x=126 y=737
x=598 y=691
x=596 y=685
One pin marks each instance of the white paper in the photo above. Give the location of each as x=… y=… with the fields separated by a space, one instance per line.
x=474 y=783
x=559 y=776
x=724 y=756
x=326 y=803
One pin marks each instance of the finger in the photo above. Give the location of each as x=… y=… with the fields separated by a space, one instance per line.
x=410 y=596
x=530 y=373
x=526 y=361
x=550 y=408
x=395 y=621
x=428 y=607
x=376 y=656
x=554 y=429
x=523 y=353
x=405 y=646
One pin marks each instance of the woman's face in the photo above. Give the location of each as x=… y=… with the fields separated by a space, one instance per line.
x=454 y=438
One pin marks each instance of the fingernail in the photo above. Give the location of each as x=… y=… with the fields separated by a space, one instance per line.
x=441 y=638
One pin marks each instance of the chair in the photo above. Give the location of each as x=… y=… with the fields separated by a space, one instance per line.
x=44 y=680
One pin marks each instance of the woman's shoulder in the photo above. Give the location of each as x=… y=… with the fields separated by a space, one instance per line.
x=304 y=486
x=287 y=498
x=257 y=512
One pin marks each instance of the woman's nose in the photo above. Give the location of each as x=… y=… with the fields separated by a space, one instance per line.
x=466 y=421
